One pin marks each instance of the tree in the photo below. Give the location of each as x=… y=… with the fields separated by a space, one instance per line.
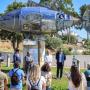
x=87 y=44
x=14 y=37
x=82 y=10
x=73 y=39
x=57 y=4
x=14 y=5
x=60 y=5
x=53 y=42
x=82 y=23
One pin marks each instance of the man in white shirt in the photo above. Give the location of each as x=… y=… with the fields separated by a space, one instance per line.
x=28 y=57
x=28 y=62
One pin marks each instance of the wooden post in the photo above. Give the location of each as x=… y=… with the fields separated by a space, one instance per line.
x=41 y=50
x=39 y=53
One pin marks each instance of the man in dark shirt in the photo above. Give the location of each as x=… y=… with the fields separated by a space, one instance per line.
x=16 y=56
x=60 y=58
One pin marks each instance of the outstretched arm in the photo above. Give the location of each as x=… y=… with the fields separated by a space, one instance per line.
x=5 y=84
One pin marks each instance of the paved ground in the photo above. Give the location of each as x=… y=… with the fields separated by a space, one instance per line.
x=84 y=59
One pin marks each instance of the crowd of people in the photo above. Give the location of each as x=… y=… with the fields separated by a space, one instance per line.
x=40 y=78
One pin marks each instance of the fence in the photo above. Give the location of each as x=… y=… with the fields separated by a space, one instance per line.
x=84 y=60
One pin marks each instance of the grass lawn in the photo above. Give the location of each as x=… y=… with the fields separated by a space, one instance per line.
x=57 y=84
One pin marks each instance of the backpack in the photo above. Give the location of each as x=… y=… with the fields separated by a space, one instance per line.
x=34 y=86
x=88 y=77
x=14 y=78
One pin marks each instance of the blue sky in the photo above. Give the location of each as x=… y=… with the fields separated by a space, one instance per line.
x=77 y=4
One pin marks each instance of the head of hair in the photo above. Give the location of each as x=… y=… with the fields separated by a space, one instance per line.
x=34 y=73
x=75 y=76
x=46 y=68
x=28 y=53
x=16 y=64
x=88 y=66
x=48 y=52
x=16 y=50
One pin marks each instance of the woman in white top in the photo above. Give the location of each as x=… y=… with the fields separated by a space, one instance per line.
x=35 y=80
x=48 y=58
x=76 y=81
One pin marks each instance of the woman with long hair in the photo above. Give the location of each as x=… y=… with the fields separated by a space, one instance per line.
x=77 y=80
x=46 y=72
x=34 y=79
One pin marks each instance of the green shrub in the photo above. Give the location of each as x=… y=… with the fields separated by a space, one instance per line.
x=86 y=52
x=67 y=51
x=53 y=42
